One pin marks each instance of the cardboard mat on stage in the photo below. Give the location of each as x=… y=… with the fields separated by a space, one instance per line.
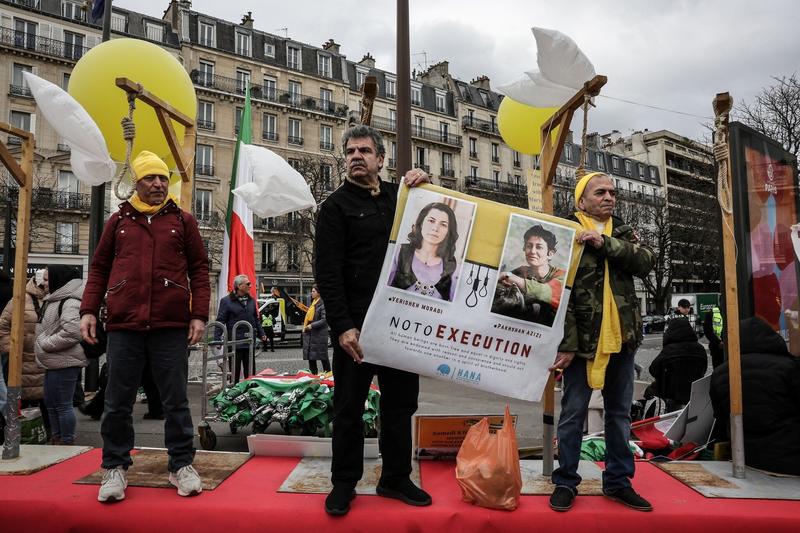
x=149 y=468
x=312 y=476
x=714 y=479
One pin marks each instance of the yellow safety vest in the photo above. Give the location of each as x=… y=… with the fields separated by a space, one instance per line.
x=716 y=321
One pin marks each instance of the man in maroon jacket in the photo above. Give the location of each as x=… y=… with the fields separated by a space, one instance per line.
x=152 y=269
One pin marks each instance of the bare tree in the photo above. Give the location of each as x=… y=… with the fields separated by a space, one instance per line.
x=775 y=112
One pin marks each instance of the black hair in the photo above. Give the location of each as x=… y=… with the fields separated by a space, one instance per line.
x=59 y=275
x=547 y=236
x=683 y=302
x=448 y=247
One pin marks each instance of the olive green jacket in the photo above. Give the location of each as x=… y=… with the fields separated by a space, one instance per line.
x=626 y=258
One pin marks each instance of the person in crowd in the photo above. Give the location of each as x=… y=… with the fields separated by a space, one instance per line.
x=682 y=310
x=58 y=349
x=268 y=324
x=426 y=264
x=770 y=399
x=237 y=306
x=32 y=386
x=315 y=334
x=602 y=331
x=352 y=235
x=681 y=361
x=712 y=329
x=6 y=292
x=540 y=282
x=152 y=268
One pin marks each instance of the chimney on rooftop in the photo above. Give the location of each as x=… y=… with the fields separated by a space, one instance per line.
x=481 y=82
x=367 y=61
x=331 y=46
x=247 y=20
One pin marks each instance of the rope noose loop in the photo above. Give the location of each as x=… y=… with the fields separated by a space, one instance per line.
x=129 y=134
x=581 y=170
x=722 y=155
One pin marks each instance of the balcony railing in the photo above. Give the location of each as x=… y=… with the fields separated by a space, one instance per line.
x=20 y=90
x=324 y=145
x=392 y=162
x=66 y=248
x=63 y=148
x=269 y=266
x=485 y=126
x=42 y=45
x=204 y=170
x=423 y=166
x=205 y=218
x=206 y=124
x=448 y=173
x=273 y=224
x=45 y=198
x=473 y=155
x=13 y=140
x=517 y=164
x=269 y=94
x=477 y=182
x=269 y=136
x=419 y=132
x=496 y=159
x=295 y=140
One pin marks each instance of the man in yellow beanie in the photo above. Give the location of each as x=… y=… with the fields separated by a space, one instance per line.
x=151 y=268
x=603 y=327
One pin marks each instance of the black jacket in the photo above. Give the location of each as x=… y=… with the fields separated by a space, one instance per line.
x=232 y=311
x=681 y=361
x=352 y=235
x=770 y=399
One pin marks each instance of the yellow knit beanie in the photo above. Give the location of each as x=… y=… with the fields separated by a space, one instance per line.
x=582 y=183
x=148 y=164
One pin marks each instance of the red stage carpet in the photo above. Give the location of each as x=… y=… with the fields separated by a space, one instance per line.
x=48 y=501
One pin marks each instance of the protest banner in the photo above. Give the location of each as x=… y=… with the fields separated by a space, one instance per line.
x=472 y=291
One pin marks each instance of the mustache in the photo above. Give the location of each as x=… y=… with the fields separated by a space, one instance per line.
x=357 y=164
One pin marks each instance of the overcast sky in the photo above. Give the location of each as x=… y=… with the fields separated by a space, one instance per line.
x=671 y=54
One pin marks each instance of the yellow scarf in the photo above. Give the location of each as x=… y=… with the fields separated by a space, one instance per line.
x=310 y=313
x=147 y=209
x=610 y=340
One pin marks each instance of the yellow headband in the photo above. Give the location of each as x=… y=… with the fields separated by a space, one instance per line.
x=582 y=183
x=148 y=164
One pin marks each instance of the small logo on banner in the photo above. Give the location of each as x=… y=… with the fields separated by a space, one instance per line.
x=443 y=370
x=468 y=376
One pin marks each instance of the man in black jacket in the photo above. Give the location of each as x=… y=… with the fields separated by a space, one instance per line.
x=352 y=235
x=770 y=399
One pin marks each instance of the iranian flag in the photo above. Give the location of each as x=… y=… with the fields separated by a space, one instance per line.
x=238 y=254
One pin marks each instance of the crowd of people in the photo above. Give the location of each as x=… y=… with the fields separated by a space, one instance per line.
x=150 y=275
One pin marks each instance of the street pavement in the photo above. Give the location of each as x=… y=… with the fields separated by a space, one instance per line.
x=436 y=397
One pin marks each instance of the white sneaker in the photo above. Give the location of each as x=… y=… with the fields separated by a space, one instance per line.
x=187 y=480
x=112 y=489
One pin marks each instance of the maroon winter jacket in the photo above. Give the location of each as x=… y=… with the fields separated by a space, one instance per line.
x=153 y=274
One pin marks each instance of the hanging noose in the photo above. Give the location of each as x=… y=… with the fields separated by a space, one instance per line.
x=581 y=170
x=129 y=134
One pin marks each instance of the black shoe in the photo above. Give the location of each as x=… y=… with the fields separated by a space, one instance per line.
x=405 y=491
x=627 y=496
x=338 y=501
x=562 y=498
x=153 y=416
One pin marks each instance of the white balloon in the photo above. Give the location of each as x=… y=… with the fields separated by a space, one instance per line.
x=269 y=185
x=89 y=157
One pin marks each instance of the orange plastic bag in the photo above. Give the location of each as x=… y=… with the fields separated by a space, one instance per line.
x=487 y=466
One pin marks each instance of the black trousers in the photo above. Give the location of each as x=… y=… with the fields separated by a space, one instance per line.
x=312 y=365
x=240 y=364
x=166 y=351
x=398 y=403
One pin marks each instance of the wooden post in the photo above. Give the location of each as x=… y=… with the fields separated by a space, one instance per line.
x=722 y=105
x=403 y=163
x=22 y=175
x=183 y=153
x=551 y=153
x=368 y=93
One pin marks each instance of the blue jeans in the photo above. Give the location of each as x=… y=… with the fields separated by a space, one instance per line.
x=617 y=397
x=59 y=388
x=166 y=350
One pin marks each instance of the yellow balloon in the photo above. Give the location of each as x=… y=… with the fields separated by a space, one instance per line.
x=520 y=125
x=92 y=84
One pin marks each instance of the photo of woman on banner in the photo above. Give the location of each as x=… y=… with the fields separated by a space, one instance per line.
x=428 y=262
x=532 y=291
